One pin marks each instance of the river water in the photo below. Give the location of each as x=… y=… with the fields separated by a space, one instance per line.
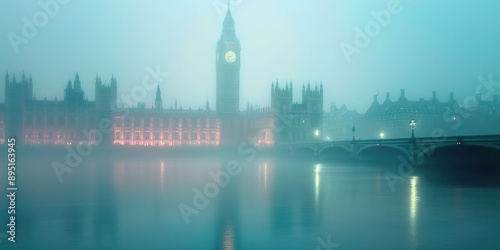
x=158 y=201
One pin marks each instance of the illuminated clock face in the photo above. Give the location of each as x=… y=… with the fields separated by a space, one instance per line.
x=230 y=57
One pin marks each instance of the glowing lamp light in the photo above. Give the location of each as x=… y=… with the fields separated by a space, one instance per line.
x=412 y=125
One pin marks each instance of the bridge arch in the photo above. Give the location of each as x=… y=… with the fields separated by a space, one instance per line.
x=401 y=149
x=325 y=148
x=429 y=150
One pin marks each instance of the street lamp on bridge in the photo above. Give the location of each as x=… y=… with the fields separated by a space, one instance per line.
x=382 y=135
x=353 y=131
x=412 y=125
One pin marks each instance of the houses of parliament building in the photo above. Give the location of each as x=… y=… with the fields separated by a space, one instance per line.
x=68 y=121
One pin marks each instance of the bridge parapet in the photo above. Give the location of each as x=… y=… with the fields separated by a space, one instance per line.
x=409 y=146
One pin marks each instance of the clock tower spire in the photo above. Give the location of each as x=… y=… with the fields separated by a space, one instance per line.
x=227 y=62
x=228 y=68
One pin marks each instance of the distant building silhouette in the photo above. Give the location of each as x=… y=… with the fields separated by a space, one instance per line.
x=338 y=123
x=392 y=118
x=158 y=101
x=433 y=117
x=73 y=95
x=294 y=121
x=55 y=122
x=484 y=116
x=64 y=122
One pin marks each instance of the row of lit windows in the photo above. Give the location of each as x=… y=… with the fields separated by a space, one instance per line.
x=57 y=141
x=165 y=122
x=165 y=136
x=66 y=134
x=54 y=134
x=165 y=143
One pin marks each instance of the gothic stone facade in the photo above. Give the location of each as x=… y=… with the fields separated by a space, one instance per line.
x=69 y=121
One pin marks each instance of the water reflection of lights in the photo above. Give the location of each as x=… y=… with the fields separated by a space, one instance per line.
x=316 y=184
x=92 y=178
x=162 y=172
x=413 y=208
x=265 y=177
x=228 y=237
x=259 y=177
x=413 y=197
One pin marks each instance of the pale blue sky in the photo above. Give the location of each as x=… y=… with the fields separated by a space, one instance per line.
x=431 y=45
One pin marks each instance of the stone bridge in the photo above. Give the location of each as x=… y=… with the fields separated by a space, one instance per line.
x=411 y=147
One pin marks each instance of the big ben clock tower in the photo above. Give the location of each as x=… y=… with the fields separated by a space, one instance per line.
x=228 y=83
x=228 y=69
